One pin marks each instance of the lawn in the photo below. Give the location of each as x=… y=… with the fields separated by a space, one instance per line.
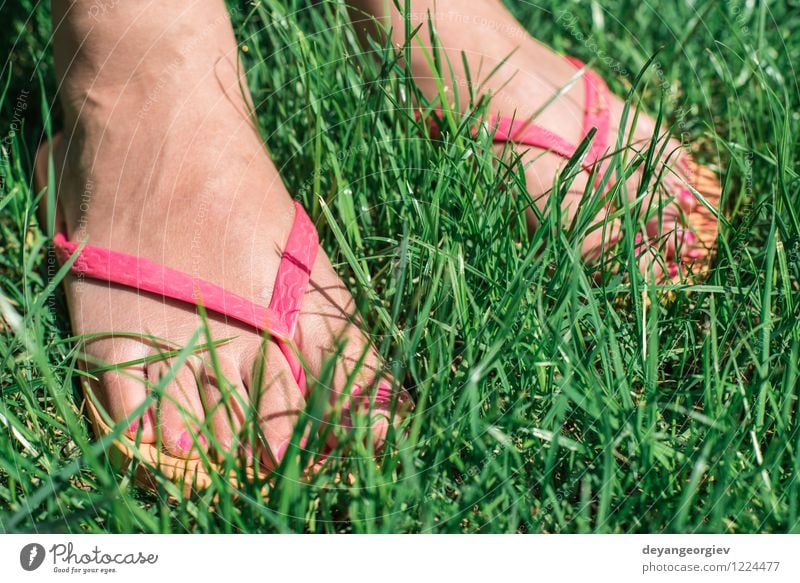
x=545 y=401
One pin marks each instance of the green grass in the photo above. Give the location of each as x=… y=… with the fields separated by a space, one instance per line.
x=544 y=404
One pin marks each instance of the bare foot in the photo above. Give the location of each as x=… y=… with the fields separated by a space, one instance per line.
x=530 y=82
x=159 y=159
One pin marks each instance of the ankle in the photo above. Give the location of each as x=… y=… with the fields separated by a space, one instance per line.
x=105 y=49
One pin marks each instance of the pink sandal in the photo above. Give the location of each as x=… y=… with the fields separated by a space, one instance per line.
x=279 y=320
x=702 y=222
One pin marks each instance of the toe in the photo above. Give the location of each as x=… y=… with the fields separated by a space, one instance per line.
x=361 y=398
x=680 y=244
x=367 y=399
x=672 y=199
x=686 y=199
x=668 y=271
x=649 y=257
x=276 y=398
x=677 y=176
x=602 y=238
x=119 y=394
x=686 y=176
x=226 y=404
x=180 y=413
x=122 y=393
x=339 y=352
x=384 y=406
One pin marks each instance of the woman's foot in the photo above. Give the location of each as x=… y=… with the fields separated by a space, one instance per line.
x=525 y=79
x=159 y=159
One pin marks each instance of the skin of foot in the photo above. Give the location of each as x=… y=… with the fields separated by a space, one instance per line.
x=159 y=159
x=523 y=76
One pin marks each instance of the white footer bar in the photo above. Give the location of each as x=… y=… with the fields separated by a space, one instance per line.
x=400 y=558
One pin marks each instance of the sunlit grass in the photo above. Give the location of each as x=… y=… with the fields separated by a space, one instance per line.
x=545 y=401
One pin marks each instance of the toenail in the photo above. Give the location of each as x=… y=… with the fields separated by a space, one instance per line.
x=382 y=396
x=149 y=418
x=404 y=398
x=134 y=426
x=384 y=393
x=280 y=451
x=686 y=195
x=185 y=442
x=673 y=270
x=694 y=254
x=689 y=237
x=358 y=392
